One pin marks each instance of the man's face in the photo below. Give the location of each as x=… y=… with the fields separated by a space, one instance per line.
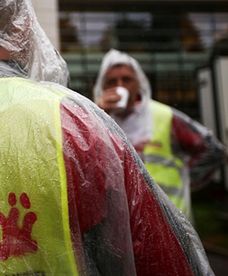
x=125 y=76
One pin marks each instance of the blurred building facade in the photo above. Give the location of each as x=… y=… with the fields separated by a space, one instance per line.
x=172 y=40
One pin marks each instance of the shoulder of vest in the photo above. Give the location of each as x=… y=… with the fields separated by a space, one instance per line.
x=159 y=105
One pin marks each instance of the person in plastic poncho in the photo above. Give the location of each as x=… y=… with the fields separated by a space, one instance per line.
x=172 y=146
x=75 y=197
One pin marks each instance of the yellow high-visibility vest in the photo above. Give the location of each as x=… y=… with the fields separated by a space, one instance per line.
x=34 y=222
x=162 y=165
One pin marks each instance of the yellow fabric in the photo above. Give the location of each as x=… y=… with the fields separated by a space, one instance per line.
x=32 y=162
x=160 y=147
x=161 y=116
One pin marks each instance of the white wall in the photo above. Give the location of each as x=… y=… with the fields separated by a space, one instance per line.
x=47 y=14
x=221 y=66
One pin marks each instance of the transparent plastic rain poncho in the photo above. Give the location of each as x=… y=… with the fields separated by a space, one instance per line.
x=138 y=125
x=191 y=143
x=75 y=197
x=31 y=54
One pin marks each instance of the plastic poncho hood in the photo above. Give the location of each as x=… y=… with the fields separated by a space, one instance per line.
x=138 y=125
x=114 y=57
x=29 y=49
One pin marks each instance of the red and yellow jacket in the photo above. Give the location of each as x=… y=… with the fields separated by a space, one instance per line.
x=76 y=199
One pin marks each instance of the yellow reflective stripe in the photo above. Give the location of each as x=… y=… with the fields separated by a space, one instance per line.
x=64 y=194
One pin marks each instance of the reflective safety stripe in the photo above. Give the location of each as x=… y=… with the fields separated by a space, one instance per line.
x=149 y=158
x=33 y=194
x=171 y=190
x=163 y=166
x=176 y=196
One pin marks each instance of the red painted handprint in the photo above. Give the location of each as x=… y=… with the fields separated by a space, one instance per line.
x=17 y=241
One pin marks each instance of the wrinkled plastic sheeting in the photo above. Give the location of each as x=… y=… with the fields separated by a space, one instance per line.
x=121 y=223
x=30 y=50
